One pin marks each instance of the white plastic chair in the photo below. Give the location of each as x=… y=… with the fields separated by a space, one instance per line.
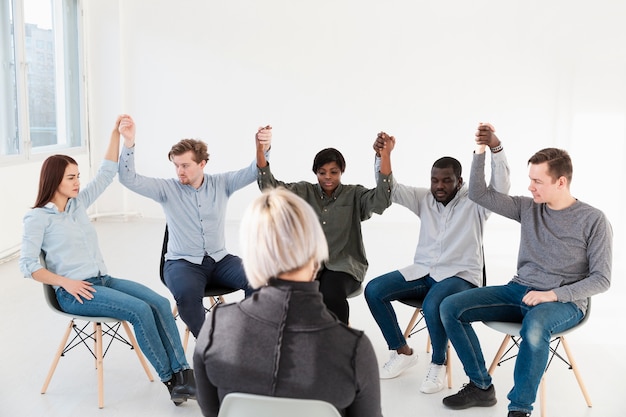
x=512 y=333
x=238 y=404
x=84 y=336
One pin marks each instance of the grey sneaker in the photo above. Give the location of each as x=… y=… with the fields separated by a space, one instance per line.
x=471 y=396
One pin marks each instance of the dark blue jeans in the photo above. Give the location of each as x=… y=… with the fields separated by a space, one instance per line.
x=381 y=291
x=504 y=303
x=187 y=282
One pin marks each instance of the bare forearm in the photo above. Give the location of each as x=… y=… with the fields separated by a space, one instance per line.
x=113 y=150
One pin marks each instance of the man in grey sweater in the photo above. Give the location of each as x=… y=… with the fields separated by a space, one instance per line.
x=565 y=256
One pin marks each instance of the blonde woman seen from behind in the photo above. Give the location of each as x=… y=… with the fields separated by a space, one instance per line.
x=283 y=341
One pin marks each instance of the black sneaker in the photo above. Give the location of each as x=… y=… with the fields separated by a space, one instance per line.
x=471 y=396
x=518 y=413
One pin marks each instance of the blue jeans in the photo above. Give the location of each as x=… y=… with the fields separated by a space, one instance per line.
x=187 y=282
x=504 y=303
x=381 y=291
x=148 y=312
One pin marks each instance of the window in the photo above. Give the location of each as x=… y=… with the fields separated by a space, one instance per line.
x=40 y=77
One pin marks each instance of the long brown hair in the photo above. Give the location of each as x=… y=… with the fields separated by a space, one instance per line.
x=51 y=176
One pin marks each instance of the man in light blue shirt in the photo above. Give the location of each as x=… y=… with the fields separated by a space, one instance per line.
x=448 y=258
x=195 y=211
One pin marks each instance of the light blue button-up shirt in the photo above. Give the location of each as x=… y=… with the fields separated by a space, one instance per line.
x=66 y=237
x=195 y=217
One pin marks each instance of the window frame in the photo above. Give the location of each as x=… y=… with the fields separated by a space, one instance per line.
x=70 y=83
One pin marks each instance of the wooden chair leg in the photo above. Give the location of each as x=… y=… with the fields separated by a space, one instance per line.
x=99 y=365
x=498 y=356
x=542 y=396
x=186 y=339
x=137 y=350
x=572 y=362
x=449 y=366
x=57 y=356
x=416 y=314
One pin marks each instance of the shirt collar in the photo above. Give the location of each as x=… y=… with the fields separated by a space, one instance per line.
x=323 y=194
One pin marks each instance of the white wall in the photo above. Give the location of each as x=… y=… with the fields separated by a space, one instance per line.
x=335 y=72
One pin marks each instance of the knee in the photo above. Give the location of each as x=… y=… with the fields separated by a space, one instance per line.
x=162 y=304
x=447 y=309
x=431 y=311
x=371 y=291
x=140 y=311
x=187 y=295
x=535 y=335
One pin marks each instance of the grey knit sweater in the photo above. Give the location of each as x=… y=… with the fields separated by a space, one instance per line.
x=568 y=251
x=283 y=342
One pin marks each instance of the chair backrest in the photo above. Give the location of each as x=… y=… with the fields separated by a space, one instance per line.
x=48 y=290
x=51 y=298
x=238 y=404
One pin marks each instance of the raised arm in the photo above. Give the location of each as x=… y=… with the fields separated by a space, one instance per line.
x=263 y=140
x=500 y=172
x=383 y=146
x=126 y=127
x=113 y=151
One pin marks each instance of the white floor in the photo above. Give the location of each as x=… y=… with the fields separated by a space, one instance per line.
x=30 y=334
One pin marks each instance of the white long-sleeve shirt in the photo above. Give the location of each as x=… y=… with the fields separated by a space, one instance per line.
x=451 y=236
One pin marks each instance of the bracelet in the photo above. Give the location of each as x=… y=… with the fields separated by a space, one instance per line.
x=496 y=149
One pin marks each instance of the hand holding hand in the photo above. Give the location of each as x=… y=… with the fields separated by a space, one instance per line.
x=126 y=127
x=384 y=144
x=263 y=138
x=485 y=135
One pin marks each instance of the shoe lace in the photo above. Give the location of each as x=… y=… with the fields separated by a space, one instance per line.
x=467 y=389
x=391 y=362
x=433 y=373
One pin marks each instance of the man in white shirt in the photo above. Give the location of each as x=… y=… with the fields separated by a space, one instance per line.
x=448 y=258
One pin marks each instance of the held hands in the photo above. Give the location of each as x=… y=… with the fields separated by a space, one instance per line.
x=263 y=138
x=485 y=136
x=384 y=144
x=126 y=126
x=79 y=289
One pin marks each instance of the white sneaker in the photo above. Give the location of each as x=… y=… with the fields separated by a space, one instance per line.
x=397 y=364
x=433 y=382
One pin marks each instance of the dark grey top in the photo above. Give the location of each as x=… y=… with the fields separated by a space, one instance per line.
x=568 y=251
x=283 y=342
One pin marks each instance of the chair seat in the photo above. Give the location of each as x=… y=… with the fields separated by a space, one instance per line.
x=218 y=291
x=53 y=303
x=413 y=302
x=505 y=327
x=511 y=331
x=238 y=404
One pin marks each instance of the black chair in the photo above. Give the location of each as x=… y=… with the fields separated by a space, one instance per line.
x=213 y=293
